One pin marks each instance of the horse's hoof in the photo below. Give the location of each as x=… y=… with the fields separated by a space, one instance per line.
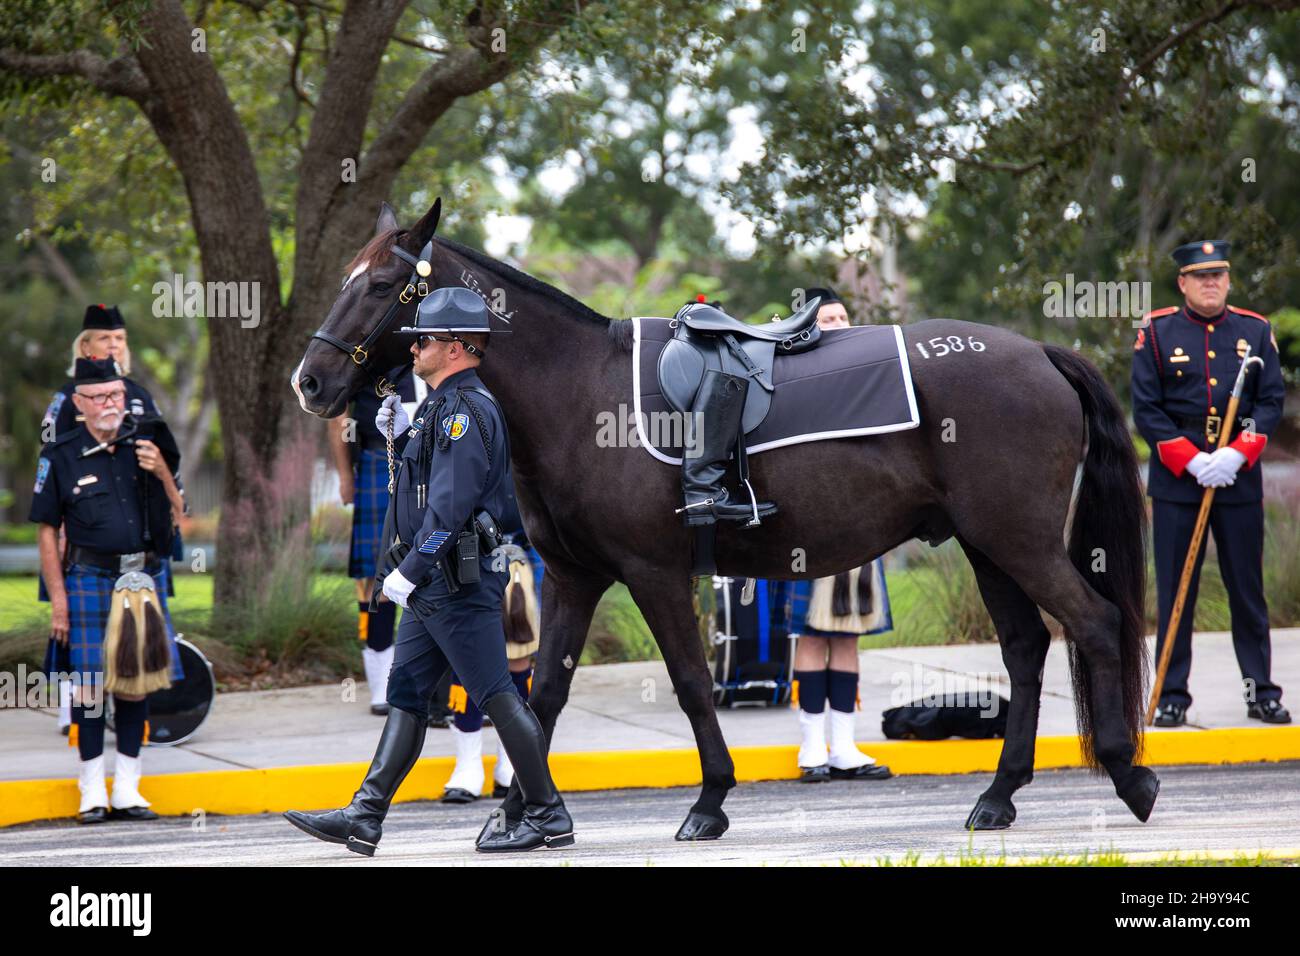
x=1140 y=794
x=991 y=814
x=703 y=826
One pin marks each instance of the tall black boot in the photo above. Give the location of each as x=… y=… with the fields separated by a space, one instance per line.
x=712 y=430
x=359 y=825
x=545 y=823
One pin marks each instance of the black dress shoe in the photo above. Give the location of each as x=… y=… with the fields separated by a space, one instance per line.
x=379 y=710
x=815 y=774
x=457 y=795
x=65 y=729
x=1269 y=711
x=1171 y=715
x=871 y=771
x=359 y=825
x=132 y=813
x=93 y=815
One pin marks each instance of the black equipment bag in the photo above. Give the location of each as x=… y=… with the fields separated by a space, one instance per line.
x=962 y=716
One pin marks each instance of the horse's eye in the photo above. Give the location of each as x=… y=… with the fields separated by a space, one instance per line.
x=381 y=288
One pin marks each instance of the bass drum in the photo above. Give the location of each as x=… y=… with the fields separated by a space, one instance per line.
x=177 y=713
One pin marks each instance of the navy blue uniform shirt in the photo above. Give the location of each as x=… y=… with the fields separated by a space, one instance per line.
x=469 y=474
x=1184 y=367
x=97 y=498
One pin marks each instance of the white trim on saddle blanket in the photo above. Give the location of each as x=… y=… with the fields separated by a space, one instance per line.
x=644 y=440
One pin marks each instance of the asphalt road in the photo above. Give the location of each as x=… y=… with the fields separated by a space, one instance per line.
x=1245 y=807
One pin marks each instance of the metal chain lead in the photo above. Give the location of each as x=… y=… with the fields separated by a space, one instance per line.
x=384 y=388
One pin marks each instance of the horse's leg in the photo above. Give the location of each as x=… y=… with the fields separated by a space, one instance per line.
x=1025 y=640
x=665 y=601
x=569 y=599
x=1094 y=625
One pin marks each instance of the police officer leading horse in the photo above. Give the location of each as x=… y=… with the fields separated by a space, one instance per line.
x=453 y=482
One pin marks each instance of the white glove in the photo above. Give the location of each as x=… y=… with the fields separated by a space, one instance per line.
x=1222 y=468
x=392 y=409
x=1199 y=461
x=397 y=589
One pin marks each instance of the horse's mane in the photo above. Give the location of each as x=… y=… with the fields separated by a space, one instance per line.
x=563 y=299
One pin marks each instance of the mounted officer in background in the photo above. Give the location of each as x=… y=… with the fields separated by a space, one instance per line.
x=1185 y=362
x=453 y=484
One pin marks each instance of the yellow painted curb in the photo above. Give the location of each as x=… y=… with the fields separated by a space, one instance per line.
x=331 y=785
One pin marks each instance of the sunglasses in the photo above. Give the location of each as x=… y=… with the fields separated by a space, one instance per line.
x=422 y=339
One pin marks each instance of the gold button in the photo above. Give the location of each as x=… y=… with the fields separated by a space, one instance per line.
x=1214 y=381
x=1180 y=373
x=1211 y=353
x=1213 y=410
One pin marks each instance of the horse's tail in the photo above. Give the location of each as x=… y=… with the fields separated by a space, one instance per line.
x=1108 y=541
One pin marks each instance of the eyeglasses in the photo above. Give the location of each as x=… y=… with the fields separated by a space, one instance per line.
x=421 y=339
x=104 y=398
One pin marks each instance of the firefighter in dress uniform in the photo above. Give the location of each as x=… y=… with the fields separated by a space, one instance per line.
x=1185 y=362
x=454 y=482
x=118 y=503
x=361 y=458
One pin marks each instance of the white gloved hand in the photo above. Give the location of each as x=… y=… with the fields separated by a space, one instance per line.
x=397 y=589
x=1222 y=468
x=1199 y=461
x=392 y=409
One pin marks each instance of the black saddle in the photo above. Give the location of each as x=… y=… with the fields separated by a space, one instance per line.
x=705 y=337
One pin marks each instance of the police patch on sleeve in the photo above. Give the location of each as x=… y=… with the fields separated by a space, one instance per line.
x=42 y=472
x=56 y=405
x=455 y=426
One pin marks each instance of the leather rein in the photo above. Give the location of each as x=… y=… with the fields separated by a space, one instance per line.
x=416 y=288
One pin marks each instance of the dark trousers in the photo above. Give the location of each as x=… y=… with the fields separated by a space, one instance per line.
x=462 y=631
x=1239 y=538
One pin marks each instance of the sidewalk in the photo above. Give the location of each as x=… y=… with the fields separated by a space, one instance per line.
x=622 y=727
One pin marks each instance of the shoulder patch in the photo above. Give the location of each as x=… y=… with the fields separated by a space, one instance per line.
x=1253 y=315
x=55 y=406
x=42 y=472
x=455 y=426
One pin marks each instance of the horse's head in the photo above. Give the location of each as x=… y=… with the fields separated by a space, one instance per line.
x=354 y=344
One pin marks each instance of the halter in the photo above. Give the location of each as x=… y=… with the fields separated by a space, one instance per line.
x=416 y=287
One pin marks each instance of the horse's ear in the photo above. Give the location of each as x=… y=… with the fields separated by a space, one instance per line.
x=426 y=227
x=387 y=221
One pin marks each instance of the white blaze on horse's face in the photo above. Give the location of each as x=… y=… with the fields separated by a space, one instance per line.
x=359 y=270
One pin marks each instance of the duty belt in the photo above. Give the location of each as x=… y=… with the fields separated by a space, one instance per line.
x=118 y=563
x=1209 y=425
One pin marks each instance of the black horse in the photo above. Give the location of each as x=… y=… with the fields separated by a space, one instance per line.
x=1022 y=455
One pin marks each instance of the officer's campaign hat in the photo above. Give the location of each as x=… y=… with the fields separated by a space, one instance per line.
x=450 y=310
x=96 y=372
x=102 y=317
x=1205 y=255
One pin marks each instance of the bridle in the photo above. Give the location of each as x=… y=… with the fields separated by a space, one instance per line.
x=416 y=288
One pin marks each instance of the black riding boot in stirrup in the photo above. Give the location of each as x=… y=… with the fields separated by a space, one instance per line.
x=359 y=825
x=545 y=823
x=711 y=431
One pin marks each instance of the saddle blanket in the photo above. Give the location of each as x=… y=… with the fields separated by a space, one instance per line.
x=856 y=381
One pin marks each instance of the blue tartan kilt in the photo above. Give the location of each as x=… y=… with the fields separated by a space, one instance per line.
x=369 y=504
x=90 y=592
